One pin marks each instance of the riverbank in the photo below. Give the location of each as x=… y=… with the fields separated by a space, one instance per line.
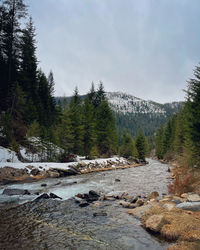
x=29 y=172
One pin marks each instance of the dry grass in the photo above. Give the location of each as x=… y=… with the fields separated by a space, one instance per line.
x=179 y=224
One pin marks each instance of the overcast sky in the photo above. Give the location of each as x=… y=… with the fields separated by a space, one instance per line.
x=147 y=48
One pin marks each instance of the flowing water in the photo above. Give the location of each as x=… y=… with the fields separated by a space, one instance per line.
x=53 y=224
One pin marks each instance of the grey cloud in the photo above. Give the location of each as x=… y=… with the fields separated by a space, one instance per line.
x=146 y=48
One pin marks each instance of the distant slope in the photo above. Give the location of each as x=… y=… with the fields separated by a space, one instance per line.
x=133 y=113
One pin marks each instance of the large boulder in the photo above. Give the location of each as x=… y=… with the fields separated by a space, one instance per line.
x=67 y=172
x=193 y=206
x=193 y=198
x=155 y=222
x=15 y=191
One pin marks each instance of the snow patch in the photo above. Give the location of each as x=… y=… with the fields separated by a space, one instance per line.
x=7 y=155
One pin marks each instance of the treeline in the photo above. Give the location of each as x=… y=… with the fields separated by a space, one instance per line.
x=179 y=139
x=26 y=94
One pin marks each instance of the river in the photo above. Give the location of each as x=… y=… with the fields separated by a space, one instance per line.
x=53 y=224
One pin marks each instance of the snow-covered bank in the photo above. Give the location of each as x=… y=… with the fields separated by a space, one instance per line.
x=54 y=165
x=13 y=170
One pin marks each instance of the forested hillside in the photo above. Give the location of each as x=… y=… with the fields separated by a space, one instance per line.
x=132 y=113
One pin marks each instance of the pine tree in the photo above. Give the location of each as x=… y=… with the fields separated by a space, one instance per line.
x=141 y=145
x=28 y=72
x=12 y=11
x=76 y=121
x=63 y=134
x=127 y=147
x=159 y=141
x=92 y=95
x=100 y=95
x=106 y=130
x=89 y=138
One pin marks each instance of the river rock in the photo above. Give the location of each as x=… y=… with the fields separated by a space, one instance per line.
x=177 y=201
x=54 y=196
x=35 y=171
x=155 y=222
x=68 y=172
x=83 y=204
x=139 y=212
x=193 y=206
x=127 y=204
x=53 y=173
x=46 y=196
x=193 y=198
x=43 y=185
x=153 y=195
x=133 y=200
x=15 y=191
x=117 y=180
x=139 y=202
x=116 y=194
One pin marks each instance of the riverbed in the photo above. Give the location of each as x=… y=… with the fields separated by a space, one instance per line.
x=55 y=224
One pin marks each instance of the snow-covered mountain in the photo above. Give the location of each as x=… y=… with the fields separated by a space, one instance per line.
x=125 y=103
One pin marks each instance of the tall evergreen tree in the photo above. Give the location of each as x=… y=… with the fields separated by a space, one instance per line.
x=28 y=72
x=100 y=95
x=89 y=138
x=106 y=129
x=127 y=147
x=12 y=11
x=141 y=145
x=76 y=121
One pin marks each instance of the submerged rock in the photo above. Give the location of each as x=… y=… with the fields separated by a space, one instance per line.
x=46 y=196
x=43 y=185
x=117 y=180
x=15 y=191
